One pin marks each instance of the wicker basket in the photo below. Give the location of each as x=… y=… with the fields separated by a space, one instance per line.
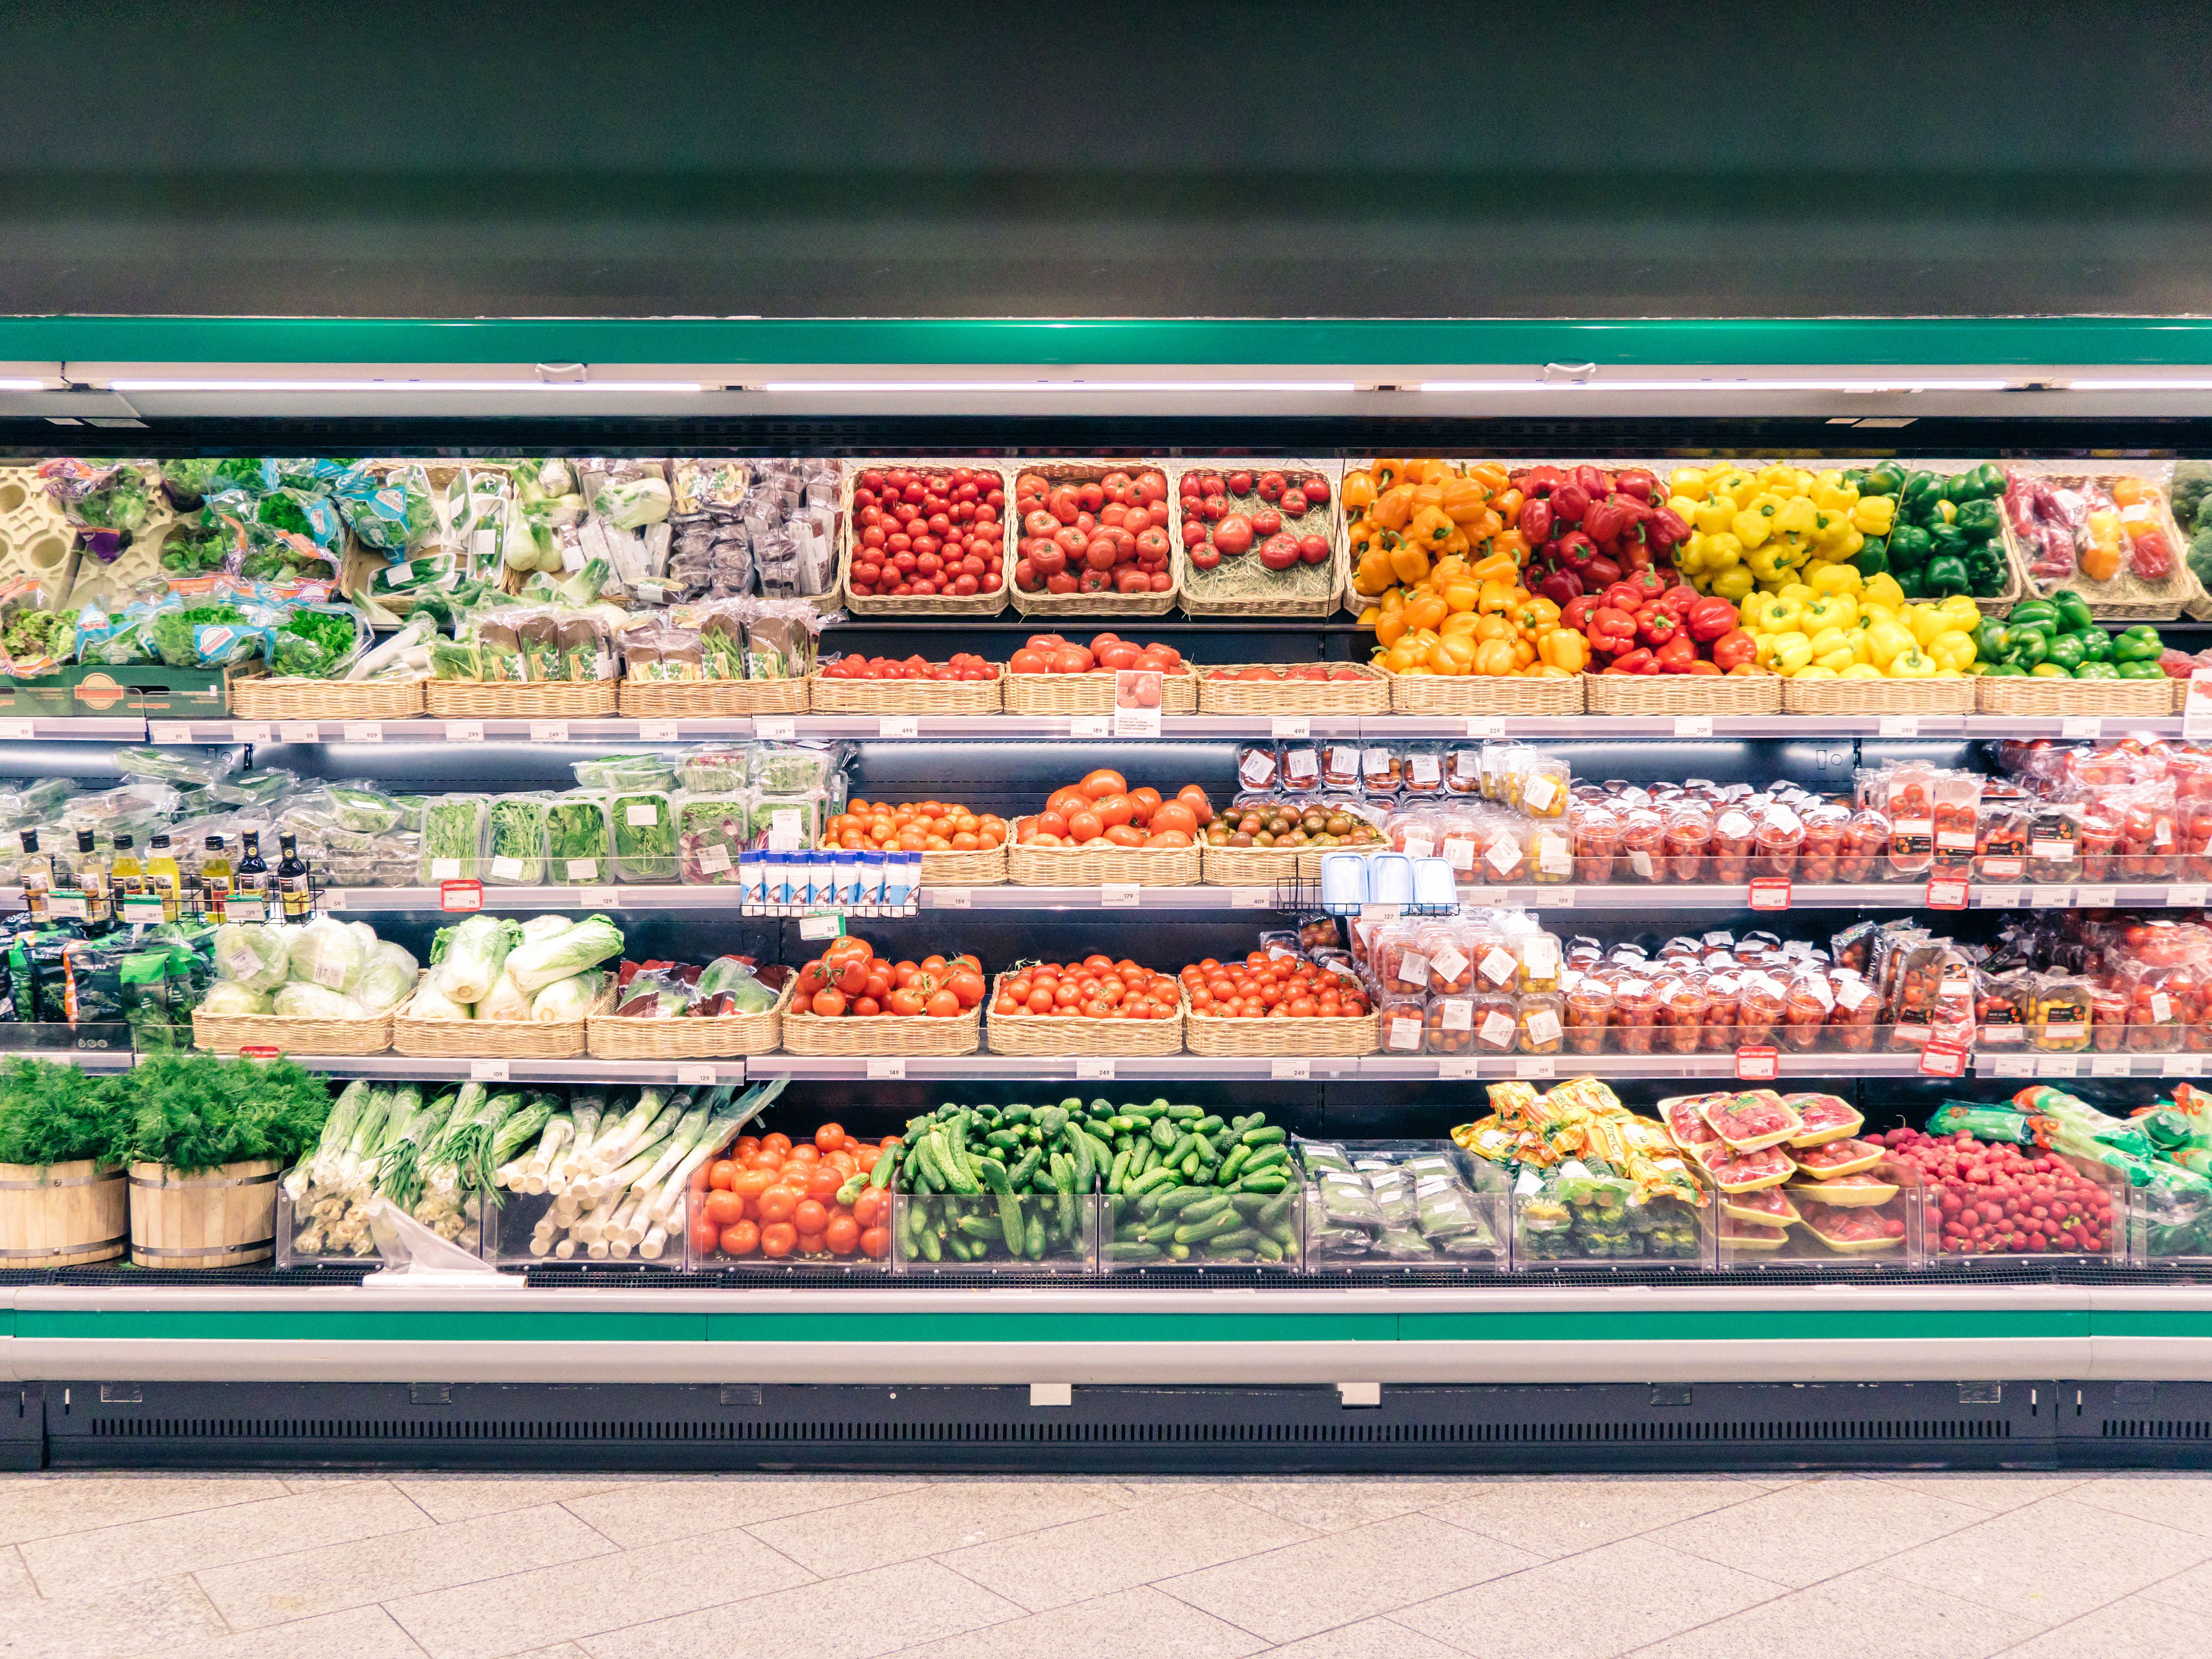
x=986 y=868
x=520 y=700
x=932 y=604
x=1099 y=864
x=2050 y=698
x=841 y=697
x=608 y=1036
x=1683 y=694
x=1050 y=605
x=1843 y=697
x=1485 y=693
x=494 y=1039
x=671 y=699
x=1329 y=584
x=63 y=1215
x=1282 y=1039
x=1091 y=693
x=883 y=1034
x=261 y=698
x=1040 y=1036
x=2126 y=598
x=1260 y=867
x=1369 y=694
x=227 y=1034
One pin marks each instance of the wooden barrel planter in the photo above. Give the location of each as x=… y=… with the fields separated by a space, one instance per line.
x=221 y=1217
x=63 y=1215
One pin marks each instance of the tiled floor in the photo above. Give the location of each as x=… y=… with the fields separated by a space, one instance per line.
x=240 y=1567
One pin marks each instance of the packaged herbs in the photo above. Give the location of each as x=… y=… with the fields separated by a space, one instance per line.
x=711 y=831
x=717 y=769
x=453 y=838
x=642 y=823
x=578 y=850
x=540 y=638
x=516 y=842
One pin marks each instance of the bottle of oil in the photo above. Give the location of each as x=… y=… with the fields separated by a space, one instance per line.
x=214 y=883
x=125 y=875
x=92 y=879
x=251 y=879
x=36 y=876
x=163 y=879
x=292 y=889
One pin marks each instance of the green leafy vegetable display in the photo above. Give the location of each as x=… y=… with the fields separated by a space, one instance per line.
x=453 y=836
x=196 y=1111
x=644 y=828
x=577 y=847
x=179 y=641
x=315 y=642
x=516 y=836
x=52 y=1114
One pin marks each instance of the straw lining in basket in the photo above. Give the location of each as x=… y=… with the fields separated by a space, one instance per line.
x=608 y=1036
x=842 y=697
x=520 y=700
x=495 y=1039
x=1086 y=605
x=258 y=697
x=226 y=1034
x=1091 y=693
x=1101 y=864
x=1281 y=1039
x=928 y=605
x=2031 y=695
x=1877 y=697
x=1450 y=695
x=699 y=699
x=1046 y=1035
x=1683 y=694
x=1367 y=693
x=1190 y=581
x=883 y=1034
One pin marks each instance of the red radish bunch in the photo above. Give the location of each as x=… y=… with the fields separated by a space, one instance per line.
x=1107 y=535
x=1227 y=514
x=2004 y=1198
x=923 y=530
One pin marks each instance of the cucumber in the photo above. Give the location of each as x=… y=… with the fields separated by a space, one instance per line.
x=1185 y=1113
x=1005 y=1139
x=1180 y=1150
x=1206 y=1125
x=1271 y=1182
x=1121 y=1252
x=1197 y=1232
x=1015 y=1115
x=1232 y=1165
x=886 y=1167
x=1261 y=1137
x=925 y=1159
x=1151 y=1179
x=1269 y=1250
x=1063 y=1173
x=1023 y=1171
x=929 y=1246
x=1116 y=1171
x=1164 y=1134
x=1244 y=1238
x=1036 y=1250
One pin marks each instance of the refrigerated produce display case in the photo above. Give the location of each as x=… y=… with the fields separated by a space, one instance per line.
x=1304 y=895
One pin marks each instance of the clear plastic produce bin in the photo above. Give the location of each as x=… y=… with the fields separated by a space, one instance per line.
x=2169 y=1225
x=2096 y=1200
x=1382 y=1208
x=1241 y=1231
x=948 y=1232
x=1876 y=1219
x=535 y=1229
x=1562 y=1221
x=324 y=1229
x=855 y=1240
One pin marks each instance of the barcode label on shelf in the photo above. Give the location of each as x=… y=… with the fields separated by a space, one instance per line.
x=1290 y=725
x=135 y=911
x=298 y=731
x=2185 y=895
x=171 y=731
x=1089 y=725
x=1290 y=1071
x=1947 y=893
x=1251 y=898
x=1542 y=1066
x=1090 y=1071
x=1117 y=896
x=2081 y=725
x=1943 y=1060
x=597 y=898
x=656 y=730
x=2049 y=898
x=464 y=731
x=2096 y=898
x=821 y=926
x=2059 y=1066
x=1455 y=1069
x=460 y=896
x=1758 y=1065
x=887 y=1071
x=1770 y=893
x=2014 y=1066
x=899 y=726
x=363 y=730
x=249 y=732
x=698 y=1076
x=548 y=730
x=1898 y=725
x=2108 y=1066
x=1693 y=726
x=1486 y=725
x=244 y=909
x=949 y=898
x=16 y=731
x=488 y=1071
x=2000 y=898
x=2180 y=1066
x=774 y=728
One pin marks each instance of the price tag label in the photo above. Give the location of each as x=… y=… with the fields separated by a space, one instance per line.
x=171 y=731
x=1251 y=898
x=2082 y=725
x=1290 y=725
x=1117 y=896
x=2185 y=895
x=1136 y=722
x=334 y=898
x=2000 y=898
x=887 y=1071
x=464 y=731
x=1552 y=898
x=460 y=896
x=599 y=898
x=238 y=909
x=657 y=731
x=1539 y=1065
x=1089 y=725
x=2014 y=1066
x=548 y=730
x=1947 y=893
x=488 y=1071
x=2197 y=713
x=69 y=907
x=2108 y=1066
x=363 y=730
x=1770 y=893
x=1943 y=1060
x=2095 y=898
x=1898 y=725
x=1758 y=1065
x=259 y=1051
x=301 y=732
x=949 y=898
x=899 y=726
x=1486 y=725
x=2059 y=1066
x=697 y=1075
x=821 y=926
x=16 y=732
x=1290 y=1071
x=774 y=728
x=2180 y=1065
x=1456 y=1068
x=1693 y=726
x=2050 y=898
x=135 y=911
x=1137 y=693
x=1090 y=1069
x=249 y=732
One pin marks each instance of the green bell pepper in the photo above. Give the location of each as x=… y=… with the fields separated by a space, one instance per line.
x=2066 y=651
x=1908 y=547
x=1979 y=517
x=2138 y=669
x=2073 y=610
x=1919 y=492
x=2138 y=644
x=1989 y=480
x=2039 y=613
x=1885 y=479
x=2001 y=670
x=1988 y=576
x=1989 y=640
x=2096 y=645
x=1912 y=581
x=2096 y=670
x=1947 y=539
x=2024 y=644
x=2048 y=670
x=1946 y=574
x=1873 y=556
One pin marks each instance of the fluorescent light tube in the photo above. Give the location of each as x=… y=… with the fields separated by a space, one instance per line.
x=2139 y=386
x=25 y=386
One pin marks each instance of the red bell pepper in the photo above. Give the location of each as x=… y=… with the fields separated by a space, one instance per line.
x=1624 y=596
x=1734 y=649
x=1638 y=661
x=1561 y=588
x=1680 y=600
x=1574 y=550
x=1602 y=572
x=1539 y=482
x=1595 y=482
x=1536 y=521
x=1710 y=618
x=1575 y=613
x=1635 y=481
x=1606 y=519
x=1570 y=503
x=1611 y=631
x=1647 y=581
x=1676 y=654
x=1665 y=530
x=1655 y=625
x=1701 y=666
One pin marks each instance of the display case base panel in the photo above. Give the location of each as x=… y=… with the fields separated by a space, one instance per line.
x=1528 y=1429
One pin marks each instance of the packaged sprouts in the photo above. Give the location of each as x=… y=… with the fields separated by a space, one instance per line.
x=516 y=842
x=453 y=838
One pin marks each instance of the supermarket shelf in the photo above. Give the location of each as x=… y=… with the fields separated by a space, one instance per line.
x=118 y=729
x=2047 y=1066
x=1187 y=727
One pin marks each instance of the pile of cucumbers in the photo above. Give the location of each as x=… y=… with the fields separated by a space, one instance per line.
x=1186 y=1185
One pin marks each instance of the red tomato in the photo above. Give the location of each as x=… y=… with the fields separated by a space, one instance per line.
x=776 y=1204
x=778 y=1239
x=776 y=1142
x=724 y=1174
x=875 y=1242
x=942 y=1005
x=822 y=1186
x=1097 y=784
x=705 y=1235
x=829 y=1138
x=743 y=1239
x=724 y=1209
x=810 y=1217
x=843 y=1235
x=751 y=1183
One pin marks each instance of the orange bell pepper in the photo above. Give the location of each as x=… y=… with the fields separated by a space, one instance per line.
x=1430 y=527
x=1430 y=472
x=1564 y=649
x=1409 y=562
x=1426 y=609
x=1462 y=622
x=1460 y=595
x=1495 y=567
x=1451 y=567
x=1536 y=616
x=1463 y=500
x=1523 y=653
x=1494 y=625
x=1390 y=626
x=1387 y=474
x=1373 y=574
x=1453 y=653
x=1494 y=657
x=1510 y=543
x=1491 y=475
x=1394 y=507
x=1357 y=491
x=1507 y=506
x=1499 y=596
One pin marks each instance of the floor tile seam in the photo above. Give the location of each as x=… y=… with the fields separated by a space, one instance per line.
x=845 y=1502
x=1570 y=1555
x=1268 y=1642
x=1441 y=1641
x=2145 y=1589
x=169 y=1514
x=2127 y=1515
x=23 y=1561
x=1153 y=1583
x=812 y=1576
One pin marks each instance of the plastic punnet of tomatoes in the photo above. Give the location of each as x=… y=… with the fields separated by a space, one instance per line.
x=1103 y=808
x=1092 y=530
x=850 y=980
x=774 y=1202
x=927 y=532
x=1002 y=1188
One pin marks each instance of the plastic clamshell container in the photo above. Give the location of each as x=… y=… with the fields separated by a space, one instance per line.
x=1764 y=1207
x=1751 y=1120
x=1470 y=1226
x=1749 y=1171
x=1390 y=879
x=1434 y=887
x=1148 y=1232
x=1343 y=882
x=1686 y=1124
x=1891 y=1234
x=1548 y=1230
x=1838 y=1157
x=1736 y=1237
x=956 y=1233
x=1843 y=1192
x=1824 y=1117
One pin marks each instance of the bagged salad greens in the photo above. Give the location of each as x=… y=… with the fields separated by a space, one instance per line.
x=453 y=838
x=642 y=826
x=711 y=831
x=579 y=847
x=516 y=842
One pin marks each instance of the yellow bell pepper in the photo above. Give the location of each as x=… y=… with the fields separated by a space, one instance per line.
x=1792 y=651
x=1838 y=610
x=1797 y=516
x=1715 y=515
x=1952 y=651
x=1930 y=622
x=1737 y=484
x=1883 y=590
x=1750 y=527
x=1886 y=643
x=1687 y=481
x=1777 y=614
x=1734 y=584
x=1690 y=555
x=1832 y=494
x=1913 y=665
x=1966 y=615
x=1684 y=507
x=1453 y=653
x=1767 y=566
x=1873 y=514
x=1722 y=551
x=1564 y=649
x=1821 y=671
x=1843 y=579
x=1829 y=529
x=1860 y=671
x=1859 y=651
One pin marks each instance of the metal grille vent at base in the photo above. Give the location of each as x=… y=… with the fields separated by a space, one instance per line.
x=2139 y=1428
